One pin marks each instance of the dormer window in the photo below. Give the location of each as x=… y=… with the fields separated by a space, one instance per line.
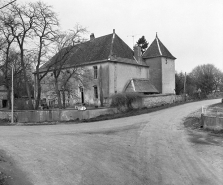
x=95 y=72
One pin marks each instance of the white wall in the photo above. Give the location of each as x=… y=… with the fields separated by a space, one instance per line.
x=168 y=75
x=114 y=77
x=120 y=74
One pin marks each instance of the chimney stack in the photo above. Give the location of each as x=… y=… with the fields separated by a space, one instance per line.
x=92 y=36
x=137 y=53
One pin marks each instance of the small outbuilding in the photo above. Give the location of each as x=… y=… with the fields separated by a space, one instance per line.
x=141 y=86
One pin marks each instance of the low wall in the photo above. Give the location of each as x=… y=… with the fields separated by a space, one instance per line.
x=38 y=116
x=5 y=115
x=54 y=115
x=212 y=122
x=158 y=100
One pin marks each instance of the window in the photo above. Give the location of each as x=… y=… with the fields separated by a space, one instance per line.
x=95 y=72
x=95 y=91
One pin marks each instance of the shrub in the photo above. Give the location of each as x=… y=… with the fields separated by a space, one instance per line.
x=21 y=104
x=125 y=100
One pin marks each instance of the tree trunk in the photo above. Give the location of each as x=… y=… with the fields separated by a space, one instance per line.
x=37 y=80
x=58 y=94
x=8 y=98
x=26 y=82
x=38 y=96
x=64 y=99
x=7 y=81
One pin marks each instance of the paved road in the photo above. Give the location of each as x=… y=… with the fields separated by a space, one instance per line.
x=147 y=149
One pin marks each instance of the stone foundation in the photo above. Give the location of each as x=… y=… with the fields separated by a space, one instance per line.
x=212 y=122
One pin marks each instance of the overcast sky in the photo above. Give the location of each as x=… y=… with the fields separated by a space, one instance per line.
x=192 y=30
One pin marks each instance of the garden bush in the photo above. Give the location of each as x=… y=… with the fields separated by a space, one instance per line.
x=21 y=104
x=124 y=101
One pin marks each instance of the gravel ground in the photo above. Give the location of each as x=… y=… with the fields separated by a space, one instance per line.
x=147 y=149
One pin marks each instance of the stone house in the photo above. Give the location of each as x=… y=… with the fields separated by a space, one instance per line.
x=114 y=67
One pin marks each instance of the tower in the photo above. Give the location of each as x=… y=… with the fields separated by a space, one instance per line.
x=162 y=67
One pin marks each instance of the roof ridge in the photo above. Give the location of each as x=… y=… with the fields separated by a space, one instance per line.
x=157 y=40
x=112 y=43
x=157 y=49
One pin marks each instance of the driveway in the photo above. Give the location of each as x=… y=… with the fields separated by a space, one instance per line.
x=146 y=149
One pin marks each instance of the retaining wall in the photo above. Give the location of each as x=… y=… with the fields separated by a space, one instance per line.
x=38 y=116
x=158 y=100
x=212 y=122
x=54 y=115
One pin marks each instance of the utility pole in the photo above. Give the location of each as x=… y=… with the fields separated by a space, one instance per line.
x=185 y=79
x=12 y=98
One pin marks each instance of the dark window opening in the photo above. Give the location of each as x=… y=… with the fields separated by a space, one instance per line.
x=95 y=92
x=4 y=103
x=95 y=72
x=82 y=94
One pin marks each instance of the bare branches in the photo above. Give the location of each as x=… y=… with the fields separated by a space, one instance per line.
x=33 y=29
x=7 y=4
x=206 y=77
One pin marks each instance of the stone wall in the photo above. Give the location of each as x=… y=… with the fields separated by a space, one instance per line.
x=40 y=116
x=54 y=115
x=5 y=115
x=159 y=100
x=212 y=122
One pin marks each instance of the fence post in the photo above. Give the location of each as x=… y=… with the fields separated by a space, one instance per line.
x=202 y=120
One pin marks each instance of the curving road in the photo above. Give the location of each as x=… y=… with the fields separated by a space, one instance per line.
x=147 y=149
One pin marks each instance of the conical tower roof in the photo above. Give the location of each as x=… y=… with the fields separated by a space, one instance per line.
x=157 y=49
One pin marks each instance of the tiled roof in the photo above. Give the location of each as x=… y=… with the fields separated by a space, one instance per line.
x=108 y=47
x=157 y=49
x=141 y=85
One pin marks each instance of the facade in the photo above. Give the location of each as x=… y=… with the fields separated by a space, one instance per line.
x=113 y=67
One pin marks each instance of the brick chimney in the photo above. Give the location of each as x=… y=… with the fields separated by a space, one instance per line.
x=92 y=36
x=137 y=53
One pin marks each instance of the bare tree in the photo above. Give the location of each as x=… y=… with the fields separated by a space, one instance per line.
x=6 y=3
x=45 y=28
x=20 y=22
x=6 y=44
x=78 y=74
x=206 y=77
x=6 y=70
x=65 y=43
